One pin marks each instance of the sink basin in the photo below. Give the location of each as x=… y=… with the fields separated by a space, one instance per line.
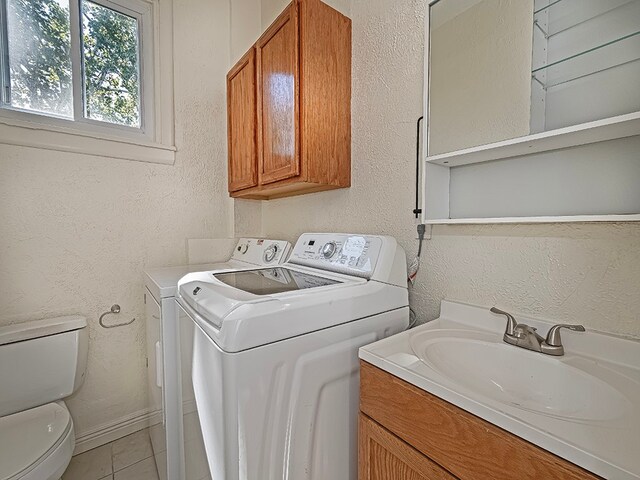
x=481 y=363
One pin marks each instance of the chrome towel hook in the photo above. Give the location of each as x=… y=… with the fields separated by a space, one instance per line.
x=114 y=309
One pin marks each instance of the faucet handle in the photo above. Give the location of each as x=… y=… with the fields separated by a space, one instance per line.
x=553 y=336
x=511 y=322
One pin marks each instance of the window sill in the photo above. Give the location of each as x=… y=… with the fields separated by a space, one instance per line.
x=46 y=137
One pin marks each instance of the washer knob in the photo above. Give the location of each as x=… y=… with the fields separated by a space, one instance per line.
x=270 y=253
x=243 y=248
x=329 y=249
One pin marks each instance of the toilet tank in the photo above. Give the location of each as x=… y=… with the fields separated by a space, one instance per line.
x=41 y=361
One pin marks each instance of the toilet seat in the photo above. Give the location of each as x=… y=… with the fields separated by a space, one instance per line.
x=36 y=443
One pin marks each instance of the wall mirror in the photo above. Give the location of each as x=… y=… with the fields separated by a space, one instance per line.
x=503 y=69
x=514 y=79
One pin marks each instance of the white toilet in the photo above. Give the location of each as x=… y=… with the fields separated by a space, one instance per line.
x=41 y=363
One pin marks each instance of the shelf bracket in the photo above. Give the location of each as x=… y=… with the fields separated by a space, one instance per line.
x=428 y=234
x=537 y=24
x=544 y=87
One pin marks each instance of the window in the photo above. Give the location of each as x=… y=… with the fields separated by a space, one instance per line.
x=37 y=50
x=81 y=63
x=111 y=73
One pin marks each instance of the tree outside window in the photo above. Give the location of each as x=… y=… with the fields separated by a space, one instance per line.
x=37 y=71
x=39 y=54
x=111 y=76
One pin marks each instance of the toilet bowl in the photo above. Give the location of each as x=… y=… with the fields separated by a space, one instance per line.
x=40 y=364
x=36 y=444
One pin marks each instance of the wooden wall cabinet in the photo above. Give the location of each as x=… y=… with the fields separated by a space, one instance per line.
x=241 y=121
x=289 y=106
x=407 y=433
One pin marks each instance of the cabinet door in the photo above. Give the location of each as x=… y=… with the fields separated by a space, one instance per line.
x=383 y=456
x=278 y=99
x=241 y=112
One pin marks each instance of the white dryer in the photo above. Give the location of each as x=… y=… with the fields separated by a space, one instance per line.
x=275 y=355
x=175 y=435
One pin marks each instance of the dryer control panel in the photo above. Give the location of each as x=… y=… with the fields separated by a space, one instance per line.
x=261 y=251
x=343 y=253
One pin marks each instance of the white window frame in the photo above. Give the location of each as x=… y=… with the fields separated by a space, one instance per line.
x=153 y=141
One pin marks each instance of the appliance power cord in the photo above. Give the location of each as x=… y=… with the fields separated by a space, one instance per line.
x=415 y=265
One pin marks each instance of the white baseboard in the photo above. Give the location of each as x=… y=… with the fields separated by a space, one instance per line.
x=110 y=431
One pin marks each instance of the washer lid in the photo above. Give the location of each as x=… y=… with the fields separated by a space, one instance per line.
x=273 y=280
x=287 y=302
x=27 y=436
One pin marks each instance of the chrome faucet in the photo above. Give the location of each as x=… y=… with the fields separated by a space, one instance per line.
x=524 y=336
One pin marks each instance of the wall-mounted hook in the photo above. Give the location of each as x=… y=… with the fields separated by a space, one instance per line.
x=115 y=309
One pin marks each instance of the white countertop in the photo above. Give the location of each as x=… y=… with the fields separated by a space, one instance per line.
x=608 y=446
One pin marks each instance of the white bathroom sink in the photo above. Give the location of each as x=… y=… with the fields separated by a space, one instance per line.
x=583 y=406
x=484 y=365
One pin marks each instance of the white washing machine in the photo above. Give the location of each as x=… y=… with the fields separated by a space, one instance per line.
x=275 y=355
x=176 y=437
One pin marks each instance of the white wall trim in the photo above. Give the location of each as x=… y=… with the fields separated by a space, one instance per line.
x=26 y=134
x=110 y=431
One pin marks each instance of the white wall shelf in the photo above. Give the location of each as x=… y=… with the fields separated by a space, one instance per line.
x=528 y=220
x=621 y=126
x=597 y=59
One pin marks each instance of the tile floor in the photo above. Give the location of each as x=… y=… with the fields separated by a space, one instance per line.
x=128 y=458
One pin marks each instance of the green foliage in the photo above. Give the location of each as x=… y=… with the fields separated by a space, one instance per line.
x=39 y=56
x=40 y=60
x=111 y=65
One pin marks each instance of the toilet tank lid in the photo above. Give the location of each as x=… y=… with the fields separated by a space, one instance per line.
x=20 y=332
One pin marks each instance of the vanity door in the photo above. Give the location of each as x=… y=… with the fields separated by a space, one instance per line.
x=383 y=456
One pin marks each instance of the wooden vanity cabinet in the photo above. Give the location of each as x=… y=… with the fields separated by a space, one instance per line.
x=383 y=456
x=290 y=97
x=407 y=433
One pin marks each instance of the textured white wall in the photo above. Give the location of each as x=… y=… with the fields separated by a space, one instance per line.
x=246 y=25
x=583 y=273
x=78 y=231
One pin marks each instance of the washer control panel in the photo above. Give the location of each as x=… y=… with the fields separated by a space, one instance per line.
x=261 y=251
x=350 y=254
x=329 y=249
